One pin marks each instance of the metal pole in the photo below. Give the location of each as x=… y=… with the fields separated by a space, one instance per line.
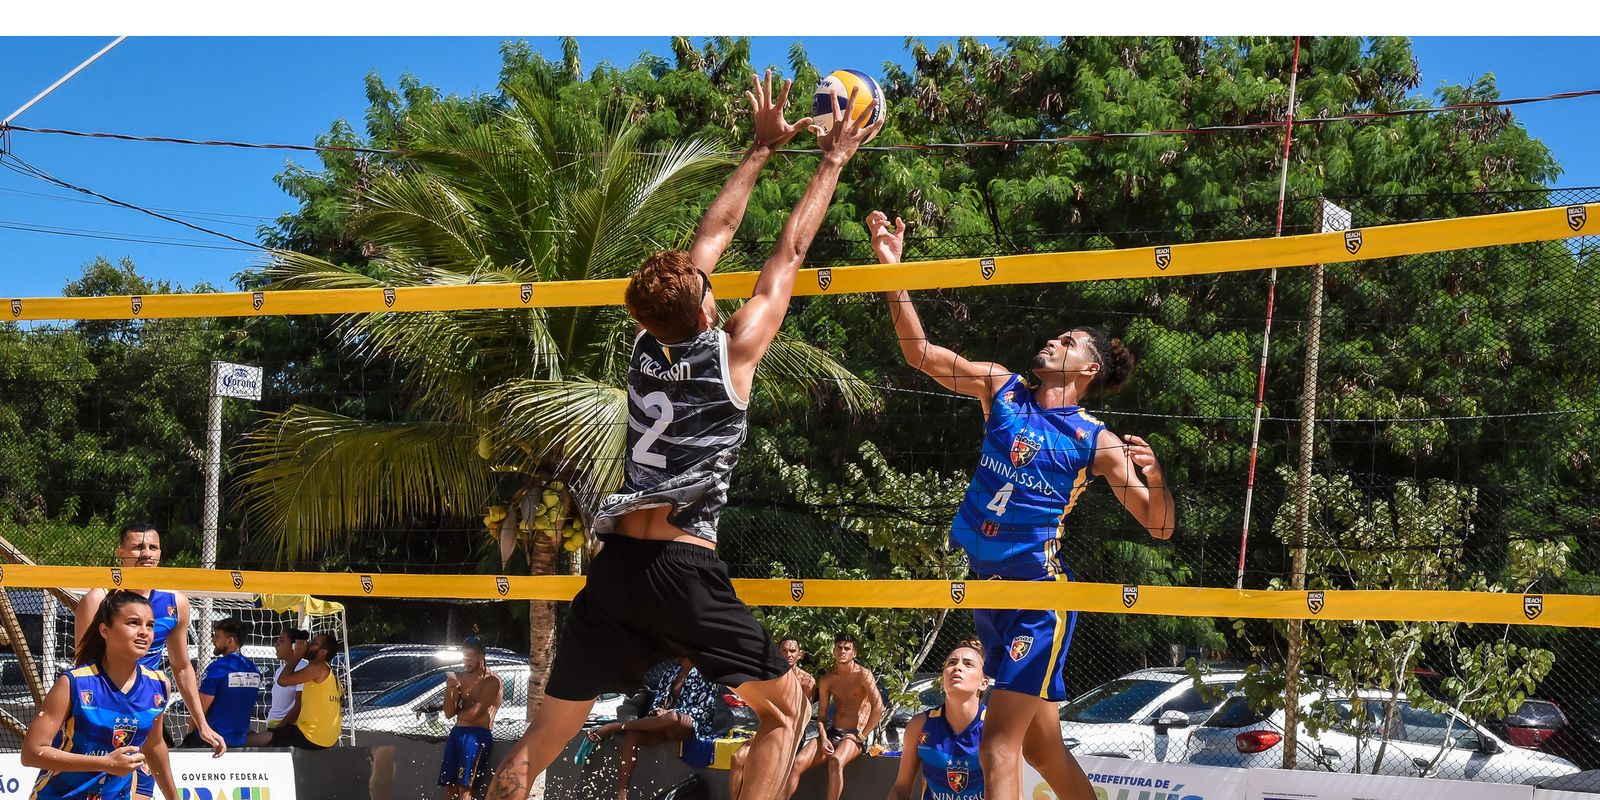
x=64 y=79
x=1266 y=336
x=213 y=504
x=49 y=614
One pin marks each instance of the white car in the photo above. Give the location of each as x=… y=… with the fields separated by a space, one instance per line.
x=1146 y=715
x=1420 y=743
x=416 y=707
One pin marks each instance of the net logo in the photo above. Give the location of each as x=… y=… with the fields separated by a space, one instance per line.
x=388 y=297
x=797 y=590
x=986 y=267
x=2 y=573
x=16 y=308
x=366 y=584
x=1314 y=601
x=1163 y=257
x=238 y=579
x=137 y=303
x=958 y=591
x=824 y=279
x=1352 y=242
x=502 y=584
x=1576 y=217
x=1532 y=605
x=116 y=575
x=1130 y=595
x=257 y=300
x=526 y=293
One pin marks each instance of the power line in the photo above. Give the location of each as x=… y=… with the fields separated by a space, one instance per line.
x=1067 y=139
x=89 y=233
x=207 y=215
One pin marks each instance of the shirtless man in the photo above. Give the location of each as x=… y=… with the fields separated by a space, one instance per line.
x=471 y=697
x=790 y=647
x=852 y=691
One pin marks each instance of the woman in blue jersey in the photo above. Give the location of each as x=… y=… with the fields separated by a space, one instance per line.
x=942 y=743
x=100 y=724
x=139 y=545
x=1041 y=450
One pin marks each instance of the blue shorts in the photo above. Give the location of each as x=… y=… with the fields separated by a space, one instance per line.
x=1025 y=651
x=144 y=783
x=466 y=756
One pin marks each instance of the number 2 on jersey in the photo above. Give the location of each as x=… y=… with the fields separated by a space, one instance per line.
x=657 y=405
x=1001 y=498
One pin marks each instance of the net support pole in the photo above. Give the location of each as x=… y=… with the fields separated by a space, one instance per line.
x=211 y=512
x=1266 y=335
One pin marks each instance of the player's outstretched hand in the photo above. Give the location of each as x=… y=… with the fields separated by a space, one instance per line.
x=887 y=244
x=771 y=129
x=846 y=135
x=1143 y=457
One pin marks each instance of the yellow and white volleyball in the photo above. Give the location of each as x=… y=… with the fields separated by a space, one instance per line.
x=834 y=91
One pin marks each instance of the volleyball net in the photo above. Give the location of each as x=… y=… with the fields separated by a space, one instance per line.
x=428 y=467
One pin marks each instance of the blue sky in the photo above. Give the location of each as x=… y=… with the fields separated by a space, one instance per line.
x=291 y=89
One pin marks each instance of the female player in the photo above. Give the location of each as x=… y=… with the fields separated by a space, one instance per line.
x=942 y=743
x=1040 y=451
x=101 y=722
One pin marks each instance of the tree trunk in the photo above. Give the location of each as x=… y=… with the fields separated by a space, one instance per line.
x=543 y=552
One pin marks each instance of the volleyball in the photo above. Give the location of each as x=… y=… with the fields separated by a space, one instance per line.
x=834 y=91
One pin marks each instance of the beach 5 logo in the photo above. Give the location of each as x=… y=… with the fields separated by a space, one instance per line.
x=1020 y=647
x=116 y=575
x=824 y=279
x=525 y=293
x=16 y=308
x=238 y=579
x=1532 y=605
x=958 y=591
x=388 y=297
x=137 y=303
x=1576 y=216
x=502 y=584
x=257 y=300
x=986 y=267
x=366 y=584
x=1163 y=257
x=797 y=590
x=1130 y=595
x=1314 y=601
x=1352 y=242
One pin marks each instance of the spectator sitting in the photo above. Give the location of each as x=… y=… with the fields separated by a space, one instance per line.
x=285 y=708
x=683 y=703
x=321 y=714
x=230 y=686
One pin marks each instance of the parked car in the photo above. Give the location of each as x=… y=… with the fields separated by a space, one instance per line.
x=1542 y=725
x=1420 y=743
x=1148 y=715
x=378 y=668
x=416 y=707
x=925 y=686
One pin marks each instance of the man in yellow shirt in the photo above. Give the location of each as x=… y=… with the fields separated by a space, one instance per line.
x=321 y=713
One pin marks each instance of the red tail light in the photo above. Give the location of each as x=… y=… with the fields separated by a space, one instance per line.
x=1528 y=737
x=1257 y=741
x=733 y=700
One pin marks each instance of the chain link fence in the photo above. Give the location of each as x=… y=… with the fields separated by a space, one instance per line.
x=1454 y=449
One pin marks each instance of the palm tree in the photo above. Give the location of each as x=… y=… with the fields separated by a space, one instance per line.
x=538 y=191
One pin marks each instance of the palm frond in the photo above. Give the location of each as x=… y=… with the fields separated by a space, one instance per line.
x=793 y=368
x=309 y=475
x=574 y=426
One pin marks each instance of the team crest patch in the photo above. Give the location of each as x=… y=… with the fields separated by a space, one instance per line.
x=257 y=300
x=238 y=579
x=86 y=698
x=1352 y=242
x=958 y=591
x=388 y=297
x=1314 y=601
x=366 y=584
x=824 y=279
x=1532 y=605
x=16 y=308
x=116 y=575
x=1010 y=397
x=525 y=293
x=990 y=528
x=1020 y=647
x=1130 y=595
x=502 y=584
x=159 y=700
x=1082 y=434
x=922 y=739
x=1025 y=446
x=986 y=267
x=137 y=303
x=797 y=590
x=1576 y=216
x=1163 y=257
x=955 y=773
x=122 y=732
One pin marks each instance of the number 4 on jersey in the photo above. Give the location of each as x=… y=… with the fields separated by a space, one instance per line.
x=1001 y=498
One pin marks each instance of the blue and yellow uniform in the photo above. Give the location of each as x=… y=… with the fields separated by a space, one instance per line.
x=164 y=605
x=950 y=768
x=103 y=718
x=1035 y=464
x=466 y=756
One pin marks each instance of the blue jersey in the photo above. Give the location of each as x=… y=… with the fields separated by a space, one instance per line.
x=950 y=769
x=1035 y=463
x=233 y=682
x=101 y=718
x=165 y=607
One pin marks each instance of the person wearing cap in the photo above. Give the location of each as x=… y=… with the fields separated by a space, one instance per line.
x=471 y=697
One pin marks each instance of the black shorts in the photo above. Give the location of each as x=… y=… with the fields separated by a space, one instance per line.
x=292 y=736
x=647 y=601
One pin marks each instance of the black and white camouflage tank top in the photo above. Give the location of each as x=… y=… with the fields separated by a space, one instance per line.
x=685 y=426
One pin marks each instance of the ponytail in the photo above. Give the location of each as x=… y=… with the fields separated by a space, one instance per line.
x=93 y=646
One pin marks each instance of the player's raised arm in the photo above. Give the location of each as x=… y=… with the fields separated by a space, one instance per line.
x=980 y=379
x=1130 y=467
x=772 y=131
x=752 y=327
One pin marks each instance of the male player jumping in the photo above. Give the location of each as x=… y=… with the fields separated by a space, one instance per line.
x=657 y=589
x=1040 y=451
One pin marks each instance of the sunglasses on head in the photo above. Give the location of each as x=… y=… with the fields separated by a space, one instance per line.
x=705 y=285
